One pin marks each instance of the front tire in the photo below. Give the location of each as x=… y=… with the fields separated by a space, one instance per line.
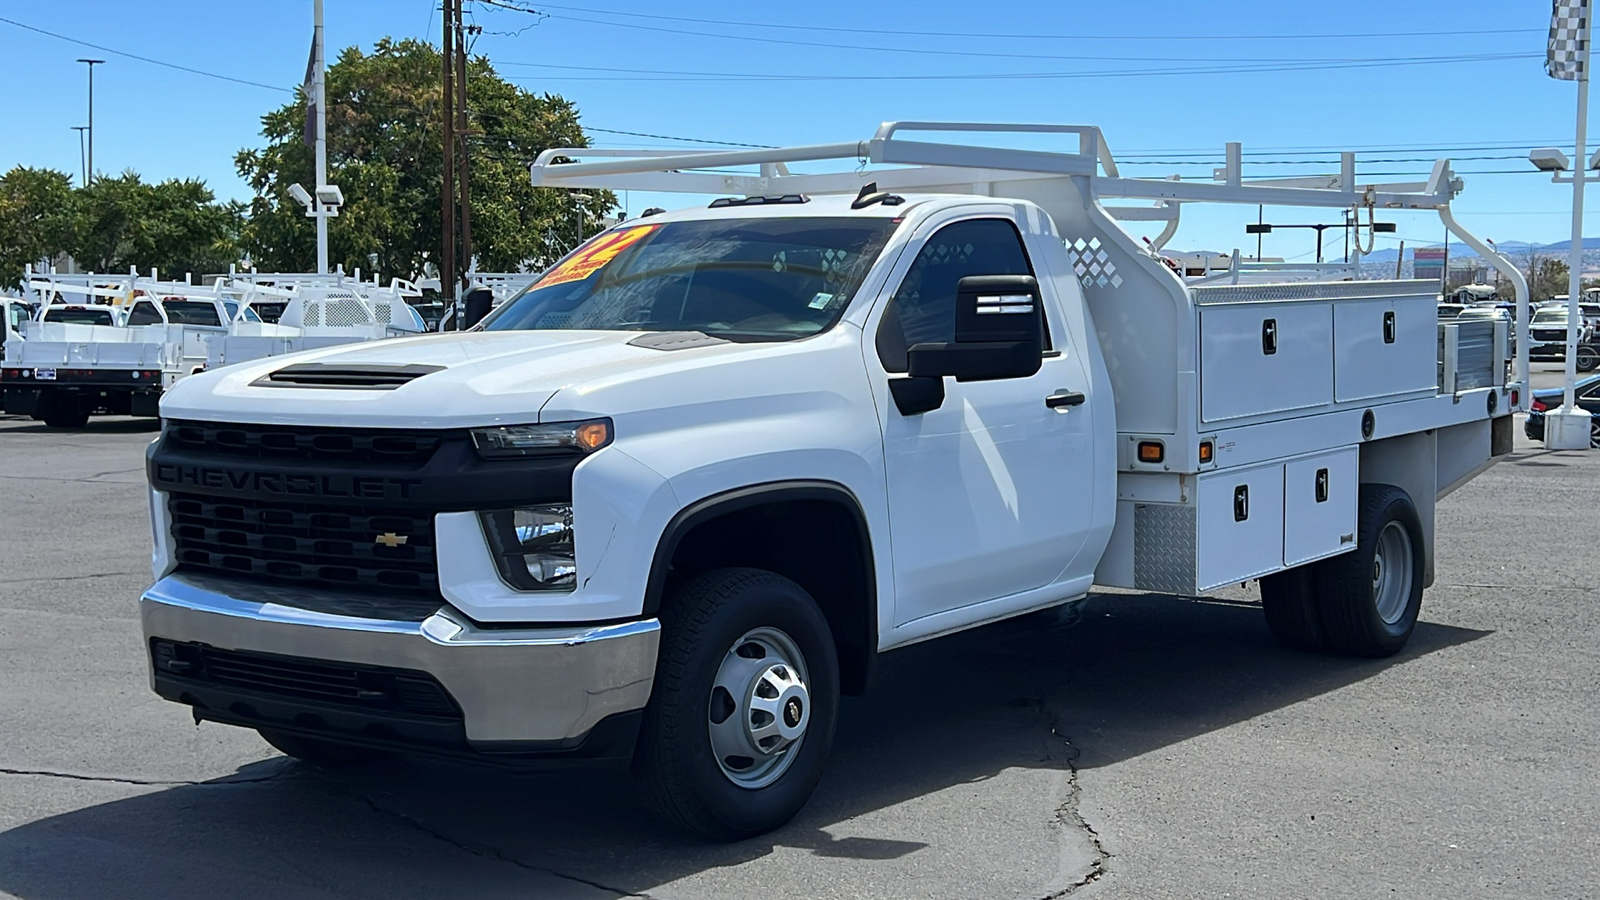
x=1370 y=597
x=1588 y=359
x=741 y=718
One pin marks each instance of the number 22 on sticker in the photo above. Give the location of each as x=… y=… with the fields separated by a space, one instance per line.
x=594 y=257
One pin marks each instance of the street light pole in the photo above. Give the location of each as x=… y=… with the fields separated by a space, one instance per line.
x=89 y=167
x=80 y=129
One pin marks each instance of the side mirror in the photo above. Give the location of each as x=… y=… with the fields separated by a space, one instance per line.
x=999 y=334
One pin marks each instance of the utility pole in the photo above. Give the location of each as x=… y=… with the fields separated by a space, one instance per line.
x=447 y=259
x=80 y=129
x=90 y=165
x=463 y=131
x=320 y=88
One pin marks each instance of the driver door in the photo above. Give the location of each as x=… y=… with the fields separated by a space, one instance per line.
x=989 y=494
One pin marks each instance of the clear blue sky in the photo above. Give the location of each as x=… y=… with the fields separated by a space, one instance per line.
x=166 y=123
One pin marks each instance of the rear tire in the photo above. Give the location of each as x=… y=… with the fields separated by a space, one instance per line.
x=1370 y=597
x=64 y=412
x=1289 y=599
x=315 y=750
x=741 y=717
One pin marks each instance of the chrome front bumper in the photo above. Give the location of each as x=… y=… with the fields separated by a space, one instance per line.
x=533 y=686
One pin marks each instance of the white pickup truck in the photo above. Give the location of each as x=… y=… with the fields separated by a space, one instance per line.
x=677 y=497
x=108 y=345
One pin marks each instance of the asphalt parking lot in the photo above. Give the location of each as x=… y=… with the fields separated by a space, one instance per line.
x=1137 y=747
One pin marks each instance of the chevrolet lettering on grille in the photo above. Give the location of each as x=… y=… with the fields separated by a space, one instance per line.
x=176 y=475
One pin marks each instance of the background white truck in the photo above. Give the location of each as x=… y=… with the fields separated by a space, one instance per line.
x=674 y=499
x=107 y=344
x=311 y=312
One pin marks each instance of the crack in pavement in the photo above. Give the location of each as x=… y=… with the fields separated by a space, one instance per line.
x=71 y=577
x=479 y=852
x=141 y=782
x=1069 y=814
x=87 y=479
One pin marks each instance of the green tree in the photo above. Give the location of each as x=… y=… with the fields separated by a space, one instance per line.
x=36 y=219
x=385 y=153
x=1552 y=279
x=176 y=226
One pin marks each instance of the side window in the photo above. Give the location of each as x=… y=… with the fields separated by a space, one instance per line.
x=144 y=313
x=924 y=308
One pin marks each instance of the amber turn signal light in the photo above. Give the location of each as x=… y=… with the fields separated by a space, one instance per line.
x=1207 y=451
x=1152 y=451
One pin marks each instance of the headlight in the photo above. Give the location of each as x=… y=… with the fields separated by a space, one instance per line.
x=510 y=441
x=533 y=546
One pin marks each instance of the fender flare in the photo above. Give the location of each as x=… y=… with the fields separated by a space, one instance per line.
x=731 y=501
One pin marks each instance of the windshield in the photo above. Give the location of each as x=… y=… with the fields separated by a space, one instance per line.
x=1545 y=316
x=742 y=279
x=78 y=315
x=191 y=312
x=1483 y=314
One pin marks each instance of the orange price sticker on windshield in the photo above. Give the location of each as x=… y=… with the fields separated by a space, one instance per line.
x=594 y=257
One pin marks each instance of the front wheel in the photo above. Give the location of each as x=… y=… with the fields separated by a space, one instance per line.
x=741 y=718
x=1588 y=359
x=1370 y=597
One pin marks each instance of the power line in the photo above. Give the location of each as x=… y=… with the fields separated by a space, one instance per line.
x=659 y=75
x=664 y=137
x=829 y=45
x=979 y=34
x=146 y=59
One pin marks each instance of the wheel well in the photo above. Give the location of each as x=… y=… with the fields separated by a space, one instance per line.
x=815 y=536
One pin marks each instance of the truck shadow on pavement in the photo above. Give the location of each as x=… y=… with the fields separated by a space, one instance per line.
x=1119 y=677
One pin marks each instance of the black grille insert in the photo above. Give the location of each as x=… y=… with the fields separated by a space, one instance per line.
x=305 y=442
x=350 y=685
x=386 y=549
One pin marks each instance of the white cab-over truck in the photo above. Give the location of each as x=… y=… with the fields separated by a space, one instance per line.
x=675 y=498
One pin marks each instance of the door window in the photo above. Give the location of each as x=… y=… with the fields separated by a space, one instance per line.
x=924 y=308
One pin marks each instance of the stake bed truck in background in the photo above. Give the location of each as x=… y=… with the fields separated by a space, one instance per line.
x=674 y=499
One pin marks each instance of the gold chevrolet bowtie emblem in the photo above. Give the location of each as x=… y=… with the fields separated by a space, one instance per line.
x=390 y=540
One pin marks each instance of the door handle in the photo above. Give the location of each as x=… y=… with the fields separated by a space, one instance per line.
x=1064 y=398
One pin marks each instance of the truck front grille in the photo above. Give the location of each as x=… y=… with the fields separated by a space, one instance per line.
x=337 y=445
x=387 y=550
x=368 y=688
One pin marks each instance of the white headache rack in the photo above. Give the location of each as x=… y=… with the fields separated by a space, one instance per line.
x=1071 y=184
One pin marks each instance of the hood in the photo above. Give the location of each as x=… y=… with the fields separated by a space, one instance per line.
x=475 y=378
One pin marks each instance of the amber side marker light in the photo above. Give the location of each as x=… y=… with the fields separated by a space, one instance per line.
x=593 y=435
x=1152 y=451
x=1207 y=451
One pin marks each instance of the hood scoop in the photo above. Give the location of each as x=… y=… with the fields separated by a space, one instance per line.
x=344 y=376
x=676 y=340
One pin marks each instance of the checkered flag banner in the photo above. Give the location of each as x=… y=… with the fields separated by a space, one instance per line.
x=1568 y=36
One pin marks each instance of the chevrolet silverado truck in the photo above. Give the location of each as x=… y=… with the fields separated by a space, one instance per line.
x=679 y=495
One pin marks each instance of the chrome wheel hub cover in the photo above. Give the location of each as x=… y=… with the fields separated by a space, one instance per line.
x=759 y=708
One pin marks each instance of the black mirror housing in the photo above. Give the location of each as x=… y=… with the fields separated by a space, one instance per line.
x=999 y=332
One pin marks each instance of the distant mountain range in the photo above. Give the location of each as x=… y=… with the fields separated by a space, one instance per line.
x=1514 y=248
